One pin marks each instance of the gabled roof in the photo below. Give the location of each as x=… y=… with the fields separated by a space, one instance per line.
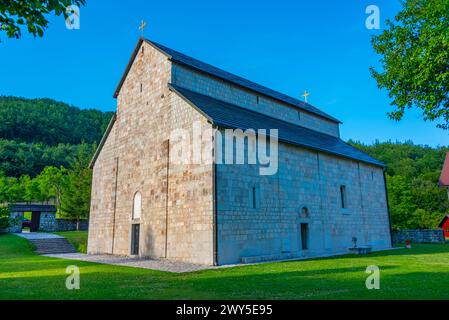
x=31 y=207
x=103 y=140
x=441 y=224
x=444 y=178
x=226 y=115
x=203 y=67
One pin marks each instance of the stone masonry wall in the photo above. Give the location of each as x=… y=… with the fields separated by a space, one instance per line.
x=101 y=218
x=135 y=158
x=419 y=236
x=15 y=223
x=177 y=200
x=305 y=179
x=49 y=223
x=224 y=91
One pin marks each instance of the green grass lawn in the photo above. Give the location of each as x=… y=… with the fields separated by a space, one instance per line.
x=419 y=273
x=77 y=238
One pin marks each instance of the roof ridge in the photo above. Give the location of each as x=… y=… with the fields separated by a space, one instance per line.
x=238 y=80
x=176 y=87
x=180 y=90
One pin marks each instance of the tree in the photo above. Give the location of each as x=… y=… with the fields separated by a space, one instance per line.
x=31 y=13
x=5 y=219
x=76 y=189
x=415 y=60
x=416 y=201
x=50 y=182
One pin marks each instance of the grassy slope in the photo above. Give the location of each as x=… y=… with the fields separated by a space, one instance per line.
x=420 y=273
x=77 y=238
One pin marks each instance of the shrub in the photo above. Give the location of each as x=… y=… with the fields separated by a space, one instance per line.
x=5 y=219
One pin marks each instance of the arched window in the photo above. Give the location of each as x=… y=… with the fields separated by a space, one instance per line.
x=137 y=206
x=304 y=212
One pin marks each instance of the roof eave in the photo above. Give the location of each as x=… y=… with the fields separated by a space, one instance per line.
x=377 y=164
x=191 y=104
x=440 y=225
x=225 y=126
x=131 y=61
x=331 y=119
x=103 y=141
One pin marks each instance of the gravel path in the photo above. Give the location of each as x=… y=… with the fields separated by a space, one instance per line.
x=153 y=264
x=38 y=235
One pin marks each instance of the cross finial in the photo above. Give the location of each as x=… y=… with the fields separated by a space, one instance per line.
x=142 y=26
x=305 y=95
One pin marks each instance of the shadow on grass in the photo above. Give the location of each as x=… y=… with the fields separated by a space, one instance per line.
x=289 y=285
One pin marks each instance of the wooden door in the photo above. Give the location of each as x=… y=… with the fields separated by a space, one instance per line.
x=35 y=221
x=135 y=234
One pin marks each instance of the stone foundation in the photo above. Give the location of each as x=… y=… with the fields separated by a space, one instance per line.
x=49 y=223
x=419 y=236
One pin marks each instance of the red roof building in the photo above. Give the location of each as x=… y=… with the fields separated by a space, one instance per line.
x=444 y=178
x=444 y=224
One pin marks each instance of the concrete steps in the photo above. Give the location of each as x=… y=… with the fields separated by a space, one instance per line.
x=52 y=246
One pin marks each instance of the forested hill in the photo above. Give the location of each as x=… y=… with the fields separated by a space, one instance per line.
x=43 y=141
x=413 y=171
x=49 y=122
x=36 y=133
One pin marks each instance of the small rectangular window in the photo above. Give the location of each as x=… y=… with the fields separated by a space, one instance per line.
x=257 y=99
x=141 y=87
x=305 y=236
x=343 y=196
x=299 y=115
x=254 y=198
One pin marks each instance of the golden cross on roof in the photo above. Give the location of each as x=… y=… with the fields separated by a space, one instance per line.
x=142 y=26
x=305 y=95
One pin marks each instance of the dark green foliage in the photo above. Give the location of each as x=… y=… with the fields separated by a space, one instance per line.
x=50 y=122
x=5 y=219
x=19 y=158
x=416 y=201
x=76 y=187
x=48 y=158
x=32 y=14
x=68 y=188
x=415 y=60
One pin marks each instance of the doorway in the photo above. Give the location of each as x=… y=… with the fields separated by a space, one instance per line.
x=304 y=236
x=35 y=221
x=135 y=234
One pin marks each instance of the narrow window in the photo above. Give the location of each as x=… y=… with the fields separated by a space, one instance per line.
x=343 y=196
x=304 y=212
x=299 y=115
x=141 y=87
x=254 y=198
x=143 y=50
x=135 y=235
x=372 y=175
x=137 y=206
x=304 y=236
x=257 y=99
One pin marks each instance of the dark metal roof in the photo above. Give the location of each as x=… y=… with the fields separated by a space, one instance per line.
x=32 y=208
x=224 y=75
x=227 y=115
x=195 y=64
x=443 y=221
x=444 y=178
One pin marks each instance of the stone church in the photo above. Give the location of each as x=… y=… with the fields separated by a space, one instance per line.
x=324 y=197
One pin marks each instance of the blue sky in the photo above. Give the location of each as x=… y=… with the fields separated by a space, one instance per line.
x=291 y=46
